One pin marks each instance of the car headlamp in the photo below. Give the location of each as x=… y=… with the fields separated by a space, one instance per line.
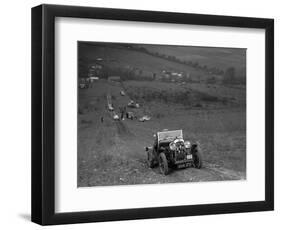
x=187 y=144
x=172 y=146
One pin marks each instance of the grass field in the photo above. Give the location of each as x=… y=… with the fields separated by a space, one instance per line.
x=116 y=57
x=211 y=112
x=213 y=57
x=156 y=58
x=112 y=152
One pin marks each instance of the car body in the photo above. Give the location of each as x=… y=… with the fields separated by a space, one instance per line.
x=170 y=150
x=130 y=115
x=82 y=85
x=110 y=107
x=115 y=117
x=133 y=104
x=144 y=118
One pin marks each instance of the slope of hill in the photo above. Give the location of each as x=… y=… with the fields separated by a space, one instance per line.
x=218 y=57
x=114 y=56
x=111 y=152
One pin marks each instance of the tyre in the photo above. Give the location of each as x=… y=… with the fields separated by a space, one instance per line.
x=163 y=164
x=197 y=158
x=150 y=159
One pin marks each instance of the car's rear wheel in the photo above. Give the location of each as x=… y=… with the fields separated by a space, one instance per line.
x=197 y=158
x=150 y=159
x=163 y=164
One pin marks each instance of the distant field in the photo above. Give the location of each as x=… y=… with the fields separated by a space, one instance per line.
x=190 y=94
x=149 y=61
x=214 y=57
x=122 y=58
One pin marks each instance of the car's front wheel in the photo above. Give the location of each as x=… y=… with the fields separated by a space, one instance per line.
x=163 y=164
x=197 y=158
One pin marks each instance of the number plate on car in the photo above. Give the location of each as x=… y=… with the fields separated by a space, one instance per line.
x=189 y=157
x=180 y=166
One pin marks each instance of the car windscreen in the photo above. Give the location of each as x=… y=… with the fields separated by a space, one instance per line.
x=169 y=135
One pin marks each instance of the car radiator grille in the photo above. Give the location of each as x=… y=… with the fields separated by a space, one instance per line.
x=180 y=155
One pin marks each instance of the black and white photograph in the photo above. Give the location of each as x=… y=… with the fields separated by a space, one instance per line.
x=148 y=113
x=153 y=114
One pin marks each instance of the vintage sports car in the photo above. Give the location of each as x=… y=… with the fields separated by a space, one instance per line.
x=171 y=151
x=130 y=115
x=145 y=118
x=115 y=116
x=110 y=107
x=133 y=104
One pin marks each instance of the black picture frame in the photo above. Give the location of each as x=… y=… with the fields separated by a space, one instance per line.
x=43 y=114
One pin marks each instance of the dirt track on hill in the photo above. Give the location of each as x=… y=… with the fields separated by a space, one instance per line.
x=112 y=152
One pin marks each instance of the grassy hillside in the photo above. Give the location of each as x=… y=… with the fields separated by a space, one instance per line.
x=138 y=61
x=112 y=152
x=209 y=110
x=222 y=58
x=120 y=57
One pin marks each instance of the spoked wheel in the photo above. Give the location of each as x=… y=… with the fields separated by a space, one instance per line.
x=197 y=156
x=163 y=164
